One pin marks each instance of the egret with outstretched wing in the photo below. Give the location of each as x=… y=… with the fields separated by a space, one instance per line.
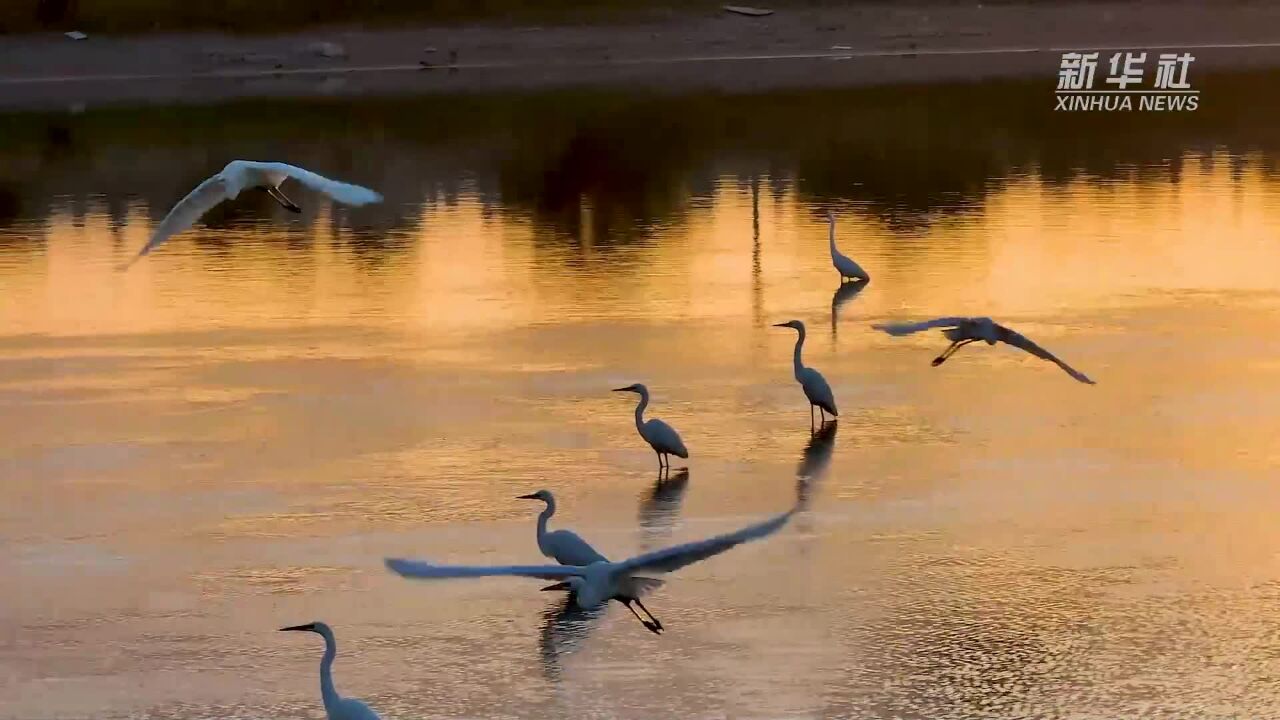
x=568 y=548
x=601 y=581
x=961 y=331
x=241 y=175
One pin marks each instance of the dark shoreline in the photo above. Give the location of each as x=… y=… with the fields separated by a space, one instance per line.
x=857 y=45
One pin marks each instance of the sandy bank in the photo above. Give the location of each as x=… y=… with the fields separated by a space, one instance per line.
x=866 y=44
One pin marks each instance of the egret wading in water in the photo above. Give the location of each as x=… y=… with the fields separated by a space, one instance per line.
x=595 y=584
x=568 y=548
x=848 y=269
x=241 y=175
x=336 y=707
x=663 y=438
x=811 y=381
x=961 y=331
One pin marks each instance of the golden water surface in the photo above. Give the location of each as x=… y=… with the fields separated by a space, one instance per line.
x=230 y=437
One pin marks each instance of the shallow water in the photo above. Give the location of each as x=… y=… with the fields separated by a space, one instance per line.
x=231 y=436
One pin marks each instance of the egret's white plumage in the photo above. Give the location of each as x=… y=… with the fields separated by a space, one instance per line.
x=811 y=381
x=963 y=330
x=336 y=707
x=848 y=269
x=661 y=437
x=564 y=546
x=241 y=175
x=568 y=548
x=598 y=582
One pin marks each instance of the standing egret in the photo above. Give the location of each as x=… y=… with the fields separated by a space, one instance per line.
x=661 y=437
x=564 y=546
x=961 y=331
x=336 y=707
x=811 y=381
x=241 y=175
x=568 y=548
x=848 y=269
x=597 y=583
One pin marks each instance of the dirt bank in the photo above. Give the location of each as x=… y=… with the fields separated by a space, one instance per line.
x=849 y=45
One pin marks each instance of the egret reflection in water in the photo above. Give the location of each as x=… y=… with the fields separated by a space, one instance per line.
x=565 y=627
x=814 y=462
x=660 y=506
x=843 y=294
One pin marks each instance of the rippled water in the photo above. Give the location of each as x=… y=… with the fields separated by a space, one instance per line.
x=229 y=438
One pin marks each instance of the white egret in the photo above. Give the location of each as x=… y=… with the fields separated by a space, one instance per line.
x=336 y=707
x=599 y=582
x=241 y=175
x=663 y=438
x=962 y=330
x=568 y=548
x=848 y=269
x=564 y=546
x=811 y=381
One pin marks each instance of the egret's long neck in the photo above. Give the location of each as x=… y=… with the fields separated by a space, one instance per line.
x=644 y=403
x=327 y=691
x=831 y=236
x=798 y=366
x=542 y=525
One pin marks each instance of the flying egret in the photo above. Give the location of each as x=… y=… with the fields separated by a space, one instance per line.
x=597 y=583
x=961 y=331
x=811 y=381
x=241 y=175
x=663 y=438
x=848 y=269
x=336 y=707
x=568 y=548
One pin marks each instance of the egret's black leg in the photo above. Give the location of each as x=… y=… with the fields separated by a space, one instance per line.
x=951 y=350
x=655 y=629
x=657 y=623
x=279 y=197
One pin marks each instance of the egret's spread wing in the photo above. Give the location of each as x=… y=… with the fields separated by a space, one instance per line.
x=908 y=328
x=189 y=209
x=431 y=571
x=673 y=558
x=1022 y=342
x=344 y=193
